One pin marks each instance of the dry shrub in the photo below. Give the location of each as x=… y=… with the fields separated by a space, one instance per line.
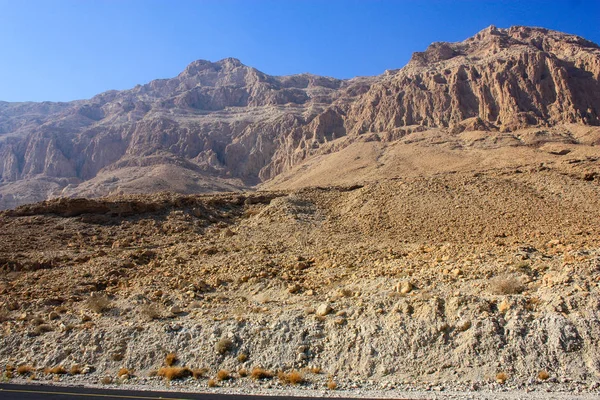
x=291 y=378
x=4 y=314
x=150 y=311
x=533 y=304
x=76 y=370
x=223 y=375
x=243 y=372
x=242 y=357
x=543 y=375
x=10 y=368
x=171 y=359
x=124 y=372
x=260 y=373
x=171 y=373
x=107 y=380
x=8 y=375
x=41 y=329
x=224 y=345
x=212 y=383
x=25 y=370
x=58 y=370
x=315 y=370
x=331 y=385
x=199 y=372
x=98 y=303
x=501 y=377
x=506 y=285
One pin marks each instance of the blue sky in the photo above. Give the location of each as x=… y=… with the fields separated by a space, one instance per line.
x=64 y=50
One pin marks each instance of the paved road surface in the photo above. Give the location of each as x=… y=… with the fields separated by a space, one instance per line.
x=44 y=392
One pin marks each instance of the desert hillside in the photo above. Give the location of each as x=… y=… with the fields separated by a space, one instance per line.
x=462 y=281
x=436 y=227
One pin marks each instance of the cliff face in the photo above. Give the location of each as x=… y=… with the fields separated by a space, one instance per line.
x=505 y=79
x=224 y=125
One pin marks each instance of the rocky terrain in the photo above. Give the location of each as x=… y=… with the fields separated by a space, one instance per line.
x=435 y=228
x=224 y=126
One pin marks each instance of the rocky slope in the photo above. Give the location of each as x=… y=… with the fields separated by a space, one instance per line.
x=462 y=281
x=226 y=126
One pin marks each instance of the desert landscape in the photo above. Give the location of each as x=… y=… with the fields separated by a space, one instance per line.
x=434 y=229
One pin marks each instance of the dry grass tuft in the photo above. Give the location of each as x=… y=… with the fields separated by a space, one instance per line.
x=506 y=285
x=543 y=375
x=212 y=383
x=10 y=368
x=98 y=303
x=242 y=357
x=58 y=370
x=291 y=378
x=243 y=372
x=224 y=345
x=315 y=370
x=171 y=359
x=171 y=373
x=107 y=380
x=124 y=372
x=223 y=375
x=25 y=370
x=331 y=385
x=501 y=377
x=260 y=373
x=199 y=373
x=76 y=370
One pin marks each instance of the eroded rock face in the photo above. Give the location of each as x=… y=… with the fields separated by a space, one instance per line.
x=227 y=121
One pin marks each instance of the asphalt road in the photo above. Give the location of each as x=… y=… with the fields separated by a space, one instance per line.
x=44 y=392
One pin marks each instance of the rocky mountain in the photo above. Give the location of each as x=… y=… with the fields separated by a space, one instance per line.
x=225 y=126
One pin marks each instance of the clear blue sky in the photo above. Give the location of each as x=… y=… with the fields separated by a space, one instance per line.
x=63 y=50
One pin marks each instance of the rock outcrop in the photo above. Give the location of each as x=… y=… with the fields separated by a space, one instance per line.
x=228 y=126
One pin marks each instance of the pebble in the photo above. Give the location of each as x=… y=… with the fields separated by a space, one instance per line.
x=324 y=309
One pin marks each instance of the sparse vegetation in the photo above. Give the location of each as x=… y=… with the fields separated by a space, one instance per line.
x=199 y=372
x=543 y=375
x=124 y=372
x=242 y=357
x=172 y=373
x=98 y=303
x=25 y=370
x=243 y=372
x=171 y=359
x=501 y=377
x=107 y=380
x=58 y=370
x=260 y=373
x=223 y=375
x=506 y=285
x=291 y=378
x=224 y=345
x=331 y=385
x=41 y=329
x=76 y=370
x=211 y=383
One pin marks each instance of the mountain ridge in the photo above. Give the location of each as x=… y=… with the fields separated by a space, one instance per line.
x=223 y=125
